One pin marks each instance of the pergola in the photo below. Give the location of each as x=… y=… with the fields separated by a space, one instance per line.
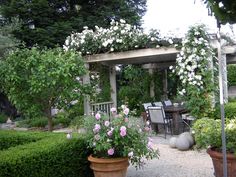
x=150 y=58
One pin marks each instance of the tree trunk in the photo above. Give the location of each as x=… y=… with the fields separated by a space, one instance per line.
x=49 y=116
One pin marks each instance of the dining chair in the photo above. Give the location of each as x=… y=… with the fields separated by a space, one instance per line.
x=146 y=116
x=157 y=116
x=158 y=103
x=146 y=105
x=167 y=103
x=187 y=120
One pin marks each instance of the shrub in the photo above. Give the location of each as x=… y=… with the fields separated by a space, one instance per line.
x=12 y=139
x=62 y=118
x=3 y=118
x=230 y=111
x=78 y=122
x=208 y=133
x=53 y=156
x=231 y=74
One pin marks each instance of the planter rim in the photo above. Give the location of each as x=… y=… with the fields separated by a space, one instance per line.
x=106 y=160
x=214 y=153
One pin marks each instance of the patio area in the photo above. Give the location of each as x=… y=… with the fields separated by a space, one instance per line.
x=175 y=163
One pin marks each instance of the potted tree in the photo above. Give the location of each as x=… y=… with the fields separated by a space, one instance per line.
x=115 y=141
x=207 y=133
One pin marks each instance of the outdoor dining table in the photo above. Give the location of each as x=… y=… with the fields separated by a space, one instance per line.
x=176 y=115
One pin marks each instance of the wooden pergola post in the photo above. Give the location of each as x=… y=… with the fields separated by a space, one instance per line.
x=86 y=80
x=152 y=85
x=165 y=85
x=112 y=76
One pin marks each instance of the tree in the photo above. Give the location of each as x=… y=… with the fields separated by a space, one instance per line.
x=38 y=80
x=49 y=22
x=224 y=10
x=7 y=41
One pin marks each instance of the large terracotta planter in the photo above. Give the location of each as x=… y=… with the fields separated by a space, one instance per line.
x=112 y=167
x=217 y=159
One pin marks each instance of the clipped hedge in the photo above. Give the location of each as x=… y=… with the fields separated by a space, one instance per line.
x=12 y=139
x=231 y=74
x=230 y=111
x=50 y=156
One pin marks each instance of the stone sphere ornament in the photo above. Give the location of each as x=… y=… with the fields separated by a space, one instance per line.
x=68 y=135
x=189 y=137
x=182 y=143
x=172 y=142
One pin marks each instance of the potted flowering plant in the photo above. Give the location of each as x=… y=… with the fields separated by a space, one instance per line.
x=207 y=133
x=116 y=140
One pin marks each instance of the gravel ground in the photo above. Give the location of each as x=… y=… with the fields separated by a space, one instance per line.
x=175 y=163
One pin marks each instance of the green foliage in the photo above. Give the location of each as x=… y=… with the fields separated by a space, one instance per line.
x=118 y=137
x=208 y=133
x=230 y=111
x=133 y=90
x=53 y=156
x=38 y=80
x=3 y=118
x=231 y=74
x=105 y=94
x=47 y=23
x=134 y=87
x=7 y=41
x=62 y=118
x=77 y=122
x=224 y=11
x=12 y=138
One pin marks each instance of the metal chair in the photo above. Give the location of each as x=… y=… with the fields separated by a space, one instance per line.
x=146 y=116
x=157 y=116
x=167 y=103
x=187 y=120
x=158 y=103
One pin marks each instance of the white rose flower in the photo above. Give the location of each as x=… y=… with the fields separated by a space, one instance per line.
x=170 y=41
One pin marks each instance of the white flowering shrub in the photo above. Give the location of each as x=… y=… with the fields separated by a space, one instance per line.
x=195 y=71
x=120 y=36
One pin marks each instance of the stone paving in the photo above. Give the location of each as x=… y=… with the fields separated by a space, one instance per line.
x=175 y=163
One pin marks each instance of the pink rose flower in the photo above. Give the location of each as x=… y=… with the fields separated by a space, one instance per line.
x=107 y=123
x=109 y=133
x=122 y=133
x=150 y=145
x=113 y=109
x=126 y=111
x=97 y=116
x=97 y=128
x=110 y=151
x=122 y=128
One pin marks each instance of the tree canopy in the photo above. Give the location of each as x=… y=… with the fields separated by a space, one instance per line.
x=49 y=22
x=38 y=80
x=224 y=10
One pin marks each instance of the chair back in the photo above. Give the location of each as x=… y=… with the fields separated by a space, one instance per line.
x=156 y=114
x=158 y=103
x=167 y=103
x=146 y=105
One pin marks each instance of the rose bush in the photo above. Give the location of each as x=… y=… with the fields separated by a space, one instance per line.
x=117 y=136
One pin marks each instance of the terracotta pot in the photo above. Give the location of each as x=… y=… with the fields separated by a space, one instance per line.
x=217 y=159
x=112 y=167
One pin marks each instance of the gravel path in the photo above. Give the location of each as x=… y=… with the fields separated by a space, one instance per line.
x=175 y=163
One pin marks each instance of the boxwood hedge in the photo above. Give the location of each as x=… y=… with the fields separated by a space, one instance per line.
x=35 y=154
x=230 y=111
